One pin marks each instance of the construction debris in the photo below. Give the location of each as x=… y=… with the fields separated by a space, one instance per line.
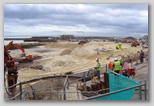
x=103 y=50
x=83 y=42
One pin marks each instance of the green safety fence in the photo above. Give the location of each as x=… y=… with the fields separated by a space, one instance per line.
x=119 y=82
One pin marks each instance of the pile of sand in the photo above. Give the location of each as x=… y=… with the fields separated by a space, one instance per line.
x=60 y=63
x=84 y=51
x=65 y=52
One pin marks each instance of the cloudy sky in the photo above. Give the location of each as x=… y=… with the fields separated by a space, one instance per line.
x=77 y=19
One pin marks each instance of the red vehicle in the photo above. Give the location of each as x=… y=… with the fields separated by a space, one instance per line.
x=129 y=72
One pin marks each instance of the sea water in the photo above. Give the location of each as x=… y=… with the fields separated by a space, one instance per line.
x=6 y=42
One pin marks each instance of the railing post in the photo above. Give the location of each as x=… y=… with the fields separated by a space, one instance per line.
x=145 y=90
x=64 y=87
x=106 y=68
x=20 y=85
x=84 y=77
x=64 y=93
x=140 y=91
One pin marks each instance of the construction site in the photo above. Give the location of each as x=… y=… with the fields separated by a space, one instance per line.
x=64 y=70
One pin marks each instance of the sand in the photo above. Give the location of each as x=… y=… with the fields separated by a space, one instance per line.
x=62 y=57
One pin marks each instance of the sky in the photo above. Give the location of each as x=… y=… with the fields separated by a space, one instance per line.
x=24 y=20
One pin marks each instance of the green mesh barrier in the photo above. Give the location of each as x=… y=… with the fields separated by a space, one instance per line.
x=119 y=82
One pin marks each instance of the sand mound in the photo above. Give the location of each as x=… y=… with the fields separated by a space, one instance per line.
x=66 y=52
x=84 y=50
x=60 y=63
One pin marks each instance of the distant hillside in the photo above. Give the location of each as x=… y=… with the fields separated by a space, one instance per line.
x=132 y=38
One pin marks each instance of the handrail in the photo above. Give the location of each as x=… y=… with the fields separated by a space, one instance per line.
x=15 y=96
x=117 y=91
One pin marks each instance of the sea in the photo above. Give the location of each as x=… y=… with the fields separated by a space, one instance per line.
x=6 y=42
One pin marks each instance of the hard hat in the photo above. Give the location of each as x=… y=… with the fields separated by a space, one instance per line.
x=97 y=58
x=115 y=59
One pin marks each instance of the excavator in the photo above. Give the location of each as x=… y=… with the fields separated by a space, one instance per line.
x=23 y=58
x=10 y=68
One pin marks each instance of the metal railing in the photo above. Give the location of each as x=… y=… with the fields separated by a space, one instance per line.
x=62 y=92
x=139 y=94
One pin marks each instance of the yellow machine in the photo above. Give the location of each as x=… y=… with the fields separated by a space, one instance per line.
x=119 y=46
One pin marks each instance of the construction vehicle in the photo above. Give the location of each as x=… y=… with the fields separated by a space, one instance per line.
x=135 y=44
x=129 y=72
x=10 y=71
x=119 y=46
x=23 y=58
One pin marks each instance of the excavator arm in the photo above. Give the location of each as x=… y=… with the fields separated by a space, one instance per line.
x=15 y=45
x=28 y=58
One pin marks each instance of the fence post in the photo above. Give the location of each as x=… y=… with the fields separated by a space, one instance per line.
x=20 y=90
x=64 y=87
x=64 y=93
x=84 y=77
x=145 y=90
x=140 y=91
x=106 y=68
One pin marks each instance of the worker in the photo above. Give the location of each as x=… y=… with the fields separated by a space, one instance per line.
x=117 y=65
x=141 y=56
x=98 y=68
x=110 y=66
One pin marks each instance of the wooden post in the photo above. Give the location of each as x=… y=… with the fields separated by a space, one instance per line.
x=20 y=85
x=106 y=68
x=106 y=81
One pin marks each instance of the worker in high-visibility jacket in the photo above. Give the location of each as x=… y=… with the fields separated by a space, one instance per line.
x=98 y=68
x=117 y=65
